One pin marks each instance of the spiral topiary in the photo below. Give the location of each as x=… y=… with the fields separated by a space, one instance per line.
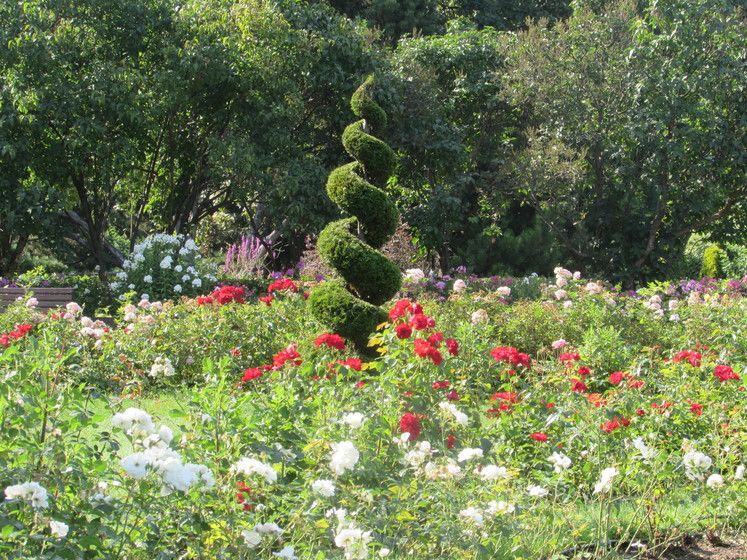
x=350 y=306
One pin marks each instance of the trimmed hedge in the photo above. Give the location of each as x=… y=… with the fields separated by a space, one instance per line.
x=349 y=306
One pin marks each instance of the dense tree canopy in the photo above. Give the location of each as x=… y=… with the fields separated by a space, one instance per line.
x=635 y=130
x=604 y=134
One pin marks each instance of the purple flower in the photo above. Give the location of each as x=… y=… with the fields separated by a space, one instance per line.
x=441 y=285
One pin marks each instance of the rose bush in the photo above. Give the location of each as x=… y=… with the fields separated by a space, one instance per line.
x=224 y=427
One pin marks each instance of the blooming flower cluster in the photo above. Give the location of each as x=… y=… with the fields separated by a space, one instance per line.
x=17 y=334
x=153 y=454
x=164 y=266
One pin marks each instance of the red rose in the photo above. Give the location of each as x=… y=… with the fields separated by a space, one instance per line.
x=251 y=373
x=282 y=285
x=538 y=436
x=400 y=309
x=583 y=370
x=352 y=363
x=616 y=377
x=696 y=409
x=510 y=355
x=289 y=354
x=505 y=396
x=331 y=340
x=636 y=383
x=690 y=356
x=578 y=386
x=452 y=346
x=567 y=357
x=450 y=441
x=440 y=384
x=452 y=395
x=403 y=331
x=724 y=373
x=267 y=300
x=436 y=338
x=419 y=322
x=411 y=424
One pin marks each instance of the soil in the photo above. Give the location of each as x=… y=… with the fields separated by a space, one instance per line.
x=704 y=549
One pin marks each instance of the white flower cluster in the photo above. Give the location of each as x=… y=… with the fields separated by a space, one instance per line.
x=647 y=453
x=353 y=540
x=477 y=516
x=460 y=417
x=31 y=492
x=344 y=457
x=251 y=466
x=696 y=464
x=162 y=367
x=560 y=462
x=414 y=275
x=164 y=265
x=604 y=486
x=261 y=531
x=354 y=420
x=155 y=456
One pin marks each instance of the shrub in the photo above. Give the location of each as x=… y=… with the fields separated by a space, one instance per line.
x=711 y=267
x=165 y=266
x=371 y=278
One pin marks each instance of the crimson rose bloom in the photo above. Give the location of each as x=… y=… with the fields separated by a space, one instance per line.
x=411 y=424
x=251 y=373
x=616 y=377
x=511 y=355
x=725 y=373
x=538 y=436
x=690 y=356
x=452 y=346
x=403 y=331
x=352 y=363
x=331 y=340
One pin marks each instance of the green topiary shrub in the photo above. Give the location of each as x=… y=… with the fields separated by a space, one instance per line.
x=349 y=306
x=711 y=267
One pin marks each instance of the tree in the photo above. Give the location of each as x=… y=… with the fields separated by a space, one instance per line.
x=635 y=130
x=74 y=70
x=450 y=127
x=26 y=204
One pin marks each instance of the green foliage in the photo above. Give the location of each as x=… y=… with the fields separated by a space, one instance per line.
x=451 y=131
x=624 y=155
x=372 y=278
x=711 y=267
x=733 y=260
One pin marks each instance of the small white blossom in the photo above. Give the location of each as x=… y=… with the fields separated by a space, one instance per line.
x=605 y=480
x=325 y=488
x=252 y=539
x=31 y=492
x=560 y=462
x=469 y=453
x=715 y=481
x=58 y=529
x=536 y=491
x=354 y=419
x=493 y=472
x=250 y=466
x=344 y=457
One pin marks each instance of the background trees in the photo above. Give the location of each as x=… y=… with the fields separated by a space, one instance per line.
x=634 y=134
x=601 y=136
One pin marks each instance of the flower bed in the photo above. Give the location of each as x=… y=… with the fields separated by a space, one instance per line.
x=487 y=426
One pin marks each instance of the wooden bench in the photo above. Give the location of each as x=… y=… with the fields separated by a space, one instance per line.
x=49 y=298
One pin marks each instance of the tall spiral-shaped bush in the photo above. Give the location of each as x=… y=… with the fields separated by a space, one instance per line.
x=349 y=306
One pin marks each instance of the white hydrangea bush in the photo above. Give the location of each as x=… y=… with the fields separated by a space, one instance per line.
x=165 y=267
